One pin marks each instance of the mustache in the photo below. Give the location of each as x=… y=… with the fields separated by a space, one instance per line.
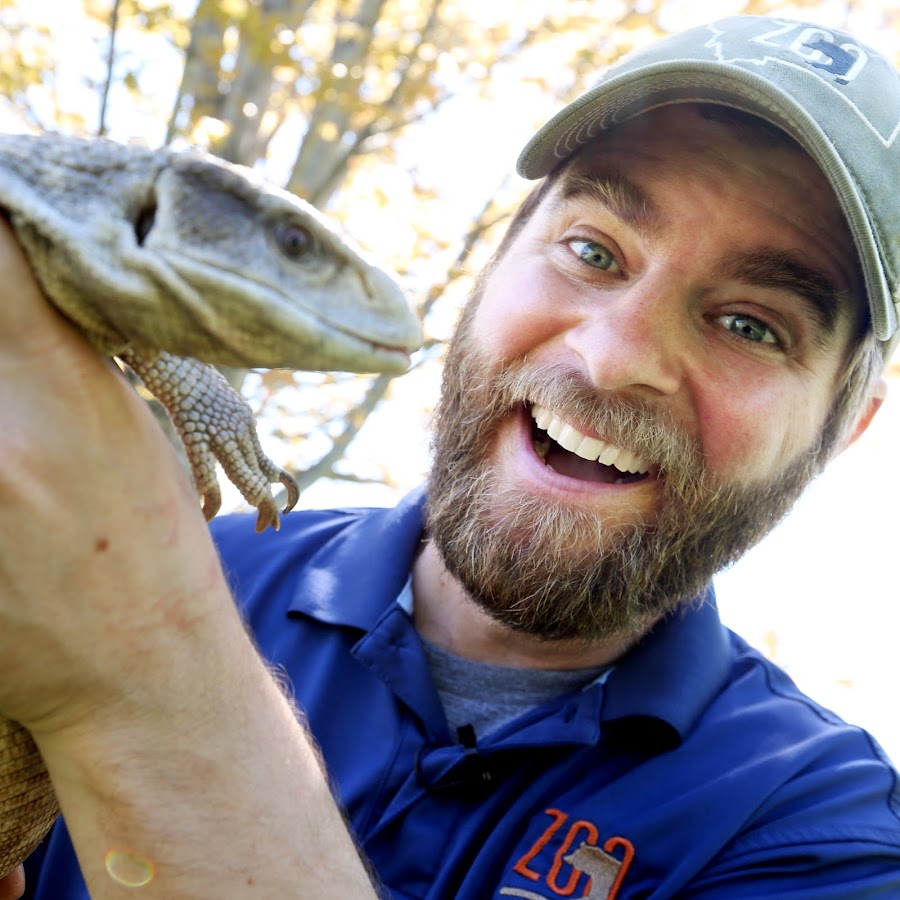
x=636 y=423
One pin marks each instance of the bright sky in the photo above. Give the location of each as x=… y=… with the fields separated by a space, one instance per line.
x=819 y=595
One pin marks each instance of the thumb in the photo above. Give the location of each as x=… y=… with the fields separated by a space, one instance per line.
x=28 y=323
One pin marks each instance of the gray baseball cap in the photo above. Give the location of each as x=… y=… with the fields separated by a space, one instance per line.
x=839 y=99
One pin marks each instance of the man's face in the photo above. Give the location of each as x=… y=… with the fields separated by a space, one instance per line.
x=677 y=312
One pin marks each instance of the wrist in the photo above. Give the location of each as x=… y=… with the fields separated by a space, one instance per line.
x=153 y=674
x=171 y=799
x=126 y=638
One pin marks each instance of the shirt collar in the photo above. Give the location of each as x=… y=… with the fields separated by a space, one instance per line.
x=673 y=673
x=357 y=573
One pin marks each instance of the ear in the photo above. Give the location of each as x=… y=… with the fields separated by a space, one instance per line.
x=868 y=413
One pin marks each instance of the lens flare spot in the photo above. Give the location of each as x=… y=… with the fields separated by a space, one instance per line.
x=129 y=868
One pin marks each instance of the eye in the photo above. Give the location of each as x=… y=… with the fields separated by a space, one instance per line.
x=594 y=254
x=293 y=238
x=749 y=328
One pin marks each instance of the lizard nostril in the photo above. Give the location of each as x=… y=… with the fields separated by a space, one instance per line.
x=144 y=222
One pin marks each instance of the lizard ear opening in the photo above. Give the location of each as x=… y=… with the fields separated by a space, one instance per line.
x=145 y=219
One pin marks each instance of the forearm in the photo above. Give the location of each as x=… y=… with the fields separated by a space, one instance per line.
x=209 y=792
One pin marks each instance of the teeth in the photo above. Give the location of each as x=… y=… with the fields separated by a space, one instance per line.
x=542 y=416
x=628 y=462
x=555 y=428
x=569 y=438
x=609 y=455
x=586 y=447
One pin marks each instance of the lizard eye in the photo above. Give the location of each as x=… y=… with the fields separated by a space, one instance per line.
x=293 y=239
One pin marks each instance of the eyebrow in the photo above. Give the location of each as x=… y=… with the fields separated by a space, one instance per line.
x=785 y=270
x=624 y=199
x=782 y=270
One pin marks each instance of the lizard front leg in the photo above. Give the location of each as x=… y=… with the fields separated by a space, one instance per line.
x=215 y=423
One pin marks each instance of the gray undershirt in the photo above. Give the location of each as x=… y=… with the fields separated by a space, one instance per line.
x=487 y=696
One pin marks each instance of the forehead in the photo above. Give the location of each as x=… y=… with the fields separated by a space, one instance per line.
x=708 y=138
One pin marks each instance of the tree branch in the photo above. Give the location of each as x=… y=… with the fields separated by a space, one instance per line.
x=110 y=59
x=354 y=422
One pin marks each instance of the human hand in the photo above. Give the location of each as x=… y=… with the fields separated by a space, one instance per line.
x=104 y=555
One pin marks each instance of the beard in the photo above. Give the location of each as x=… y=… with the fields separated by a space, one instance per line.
x=560 y=572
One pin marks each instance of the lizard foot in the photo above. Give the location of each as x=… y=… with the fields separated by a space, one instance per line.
x=215 y=423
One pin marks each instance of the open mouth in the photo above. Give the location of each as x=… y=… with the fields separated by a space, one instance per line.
x=566 y=450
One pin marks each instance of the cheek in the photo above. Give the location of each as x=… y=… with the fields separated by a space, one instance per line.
x=751 y=430
x=522 y=307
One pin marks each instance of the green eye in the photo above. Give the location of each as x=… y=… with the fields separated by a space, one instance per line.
x=595 y=255
x=749 y=328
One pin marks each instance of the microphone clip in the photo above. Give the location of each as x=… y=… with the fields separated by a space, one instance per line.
x=473 y=776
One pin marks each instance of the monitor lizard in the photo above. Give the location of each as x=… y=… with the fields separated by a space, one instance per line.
x=175 y=262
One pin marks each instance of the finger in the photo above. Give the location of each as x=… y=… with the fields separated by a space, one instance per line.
x=40 y=350
x=12 y=886
x=25 y=313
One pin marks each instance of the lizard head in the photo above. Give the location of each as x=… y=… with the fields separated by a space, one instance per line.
x=265 y=276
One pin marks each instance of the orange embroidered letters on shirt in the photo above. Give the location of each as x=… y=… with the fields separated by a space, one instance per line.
x=577 y=855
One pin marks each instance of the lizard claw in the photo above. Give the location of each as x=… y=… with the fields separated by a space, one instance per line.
x=212 y=501
x=293 y=492
x=267 y=515
x=267 y=511
x=215 y=424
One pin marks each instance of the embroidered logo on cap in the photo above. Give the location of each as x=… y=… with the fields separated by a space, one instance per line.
x=835 y=54
x=836 y=60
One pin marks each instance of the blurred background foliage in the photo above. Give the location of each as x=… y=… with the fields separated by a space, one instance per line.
x=401 y=118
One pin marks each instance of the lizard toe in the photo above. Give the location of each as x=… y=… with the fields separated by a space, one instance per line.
x=267 y=515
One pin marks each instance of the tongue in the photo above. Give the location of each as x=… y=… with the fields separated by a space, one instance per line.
x=573 y=466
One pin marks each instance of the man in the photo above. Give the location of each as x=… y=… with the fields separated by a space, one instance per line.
x=520 y=686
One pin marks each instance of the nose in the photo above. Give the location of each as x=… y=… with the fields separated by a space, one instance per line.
x=634 y=338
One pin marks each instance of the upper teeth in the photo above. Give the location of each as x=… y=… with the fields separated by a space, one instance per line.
x=586 y=447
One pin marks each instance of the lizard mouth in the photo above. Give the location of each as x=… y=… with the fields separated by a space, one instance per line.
x=566 y=449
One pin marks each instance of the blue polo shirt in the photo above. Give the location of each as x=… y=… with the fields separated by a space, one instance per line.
x=695 y=770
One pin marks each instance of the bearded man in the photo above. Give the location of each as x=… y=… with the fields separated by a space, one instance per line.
x=518 y=679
